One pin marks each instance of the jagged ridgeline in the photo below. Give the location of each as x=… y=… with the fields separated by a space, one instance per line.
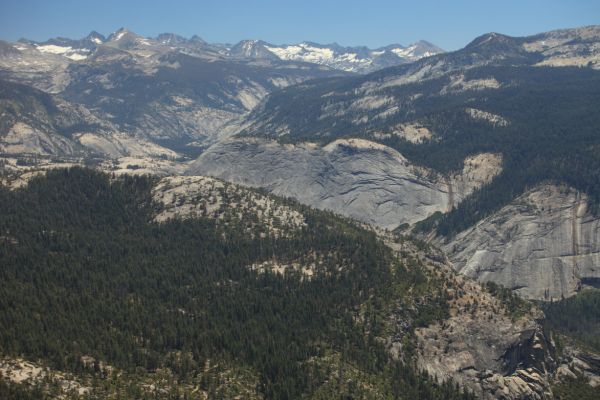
x=542 y=121
x=275 y=301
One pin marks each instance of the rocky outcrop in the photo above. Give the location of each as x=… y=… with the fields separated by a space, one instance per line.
x=357 y=178
x=477 y=171
x=494 y=358
x=22 y=138
x=183 y=197
x=576 y=362
x=482 y=345
x=544 y=245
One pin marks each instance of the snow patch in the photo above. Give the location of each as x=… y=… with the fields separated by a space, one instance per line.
x=405 y=52
x=53 y=49
x=303 y=52
x=76 y=56
x=67 y=51
x=120 y=35
x=144 y=42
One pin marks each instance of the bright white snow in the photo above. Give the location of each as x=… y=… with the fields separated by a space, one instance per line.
x=76 y=56
x=408 y=52
x=303 y=52
x=51 y=48
x=67 y=51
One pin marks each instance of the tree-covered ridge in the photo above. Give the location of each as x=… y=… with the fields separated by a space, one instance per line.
x=201 y=196
x=577 y=317
x=549 y=130
x=87 y=273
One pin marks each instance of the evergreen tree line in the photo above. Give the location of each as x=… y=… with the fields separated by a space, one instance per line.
x=577 y=317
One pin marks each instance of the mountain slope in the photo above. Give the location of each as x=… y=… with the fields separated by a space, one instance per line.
x=145 y=284
x=495 y=100
x=180 y=93
x=35 y=122
x=169 y=91
x=169 y=299
x=484 y=110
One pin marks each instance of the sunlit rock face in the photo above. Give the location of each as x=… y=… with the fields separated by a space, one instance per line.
x=544 y=245
x=357 y=178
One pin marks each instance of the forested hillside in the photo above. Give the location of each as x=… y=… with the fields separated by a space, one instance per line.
x=91 y=286
x=577 y=317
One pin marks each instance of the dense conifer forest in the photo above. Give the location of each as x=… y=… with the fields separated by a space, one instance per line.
x=578 y=317
x=86 y=273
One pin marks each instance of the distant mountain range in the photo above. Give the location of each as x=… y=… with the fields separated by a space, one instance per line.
x=352 y=59
x=170 y=91
x=358 y=59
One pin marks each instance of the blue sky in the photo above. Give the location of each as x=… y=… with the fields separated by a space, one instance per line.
x=449 y=24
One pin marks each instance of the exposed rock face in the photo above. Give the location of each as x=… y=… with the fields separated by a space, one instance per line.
x=544 y=245
x=481 y=346
x=568 y=47
x=119 y=145
x=357 y=178
x=143 y=166
x=477 y=171
x=577 y=362
x=21 y=371
x=488 y=353
x=183 y=197
x=22 y=138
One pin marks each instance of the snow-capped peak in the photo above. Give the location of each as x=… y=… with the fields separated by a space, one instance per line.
x=352 y=59
x=95 y=37
x=119 y=34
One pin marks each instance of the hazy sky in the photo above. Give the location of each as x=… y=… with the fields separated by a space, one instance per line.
x=449 y=24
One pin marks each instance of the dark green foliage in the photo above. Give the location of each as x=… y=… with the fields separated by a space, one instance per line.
x=577 y=317
x=429 y=224
x=576 y=389
x=515 y=305
x=553 y=136
x=13 y=391
x=84 y=271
